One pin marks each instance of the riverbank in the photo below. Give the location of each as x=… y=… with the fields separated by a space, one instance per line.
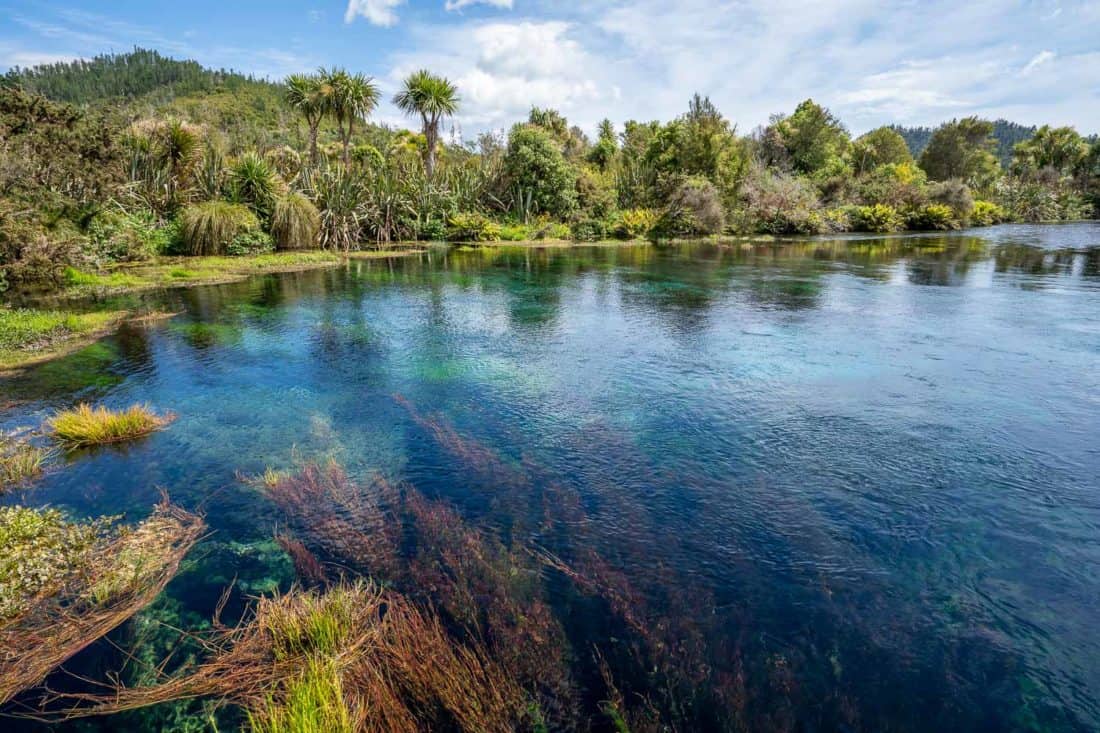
x=39 y=332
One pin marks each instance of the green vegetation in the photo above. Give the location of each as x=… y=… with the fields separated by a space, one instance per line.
x=19 y=461
x=167 y=158
x=85 y=425
x=64 y=584
x=27 y=334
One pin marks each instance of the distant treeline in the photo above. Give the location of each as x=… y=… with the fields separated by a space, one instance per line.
x=125 y=76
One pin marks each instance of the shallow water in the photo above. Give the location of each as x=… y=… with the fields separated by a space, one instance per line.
x=864 y=470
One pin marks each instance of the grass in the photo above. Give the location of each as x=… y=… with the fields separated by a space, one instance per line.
x=86 y=425
x=29 y=334
x=313 y=703
x=19 y=462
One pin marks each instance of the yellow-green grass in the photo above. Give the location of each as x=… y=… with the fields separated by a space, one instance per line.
x=86 y=425
x=167 y=272
x=19 y=462
x=29 y=335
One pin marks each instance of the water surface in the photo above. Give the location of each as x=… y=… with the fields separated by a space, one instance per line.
x=861 y=471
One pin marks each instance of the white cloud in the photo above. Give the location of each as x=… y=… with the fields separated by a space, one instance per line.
x=502 y=69
x=459 y=4
x=1038 y=60
x=377 y=12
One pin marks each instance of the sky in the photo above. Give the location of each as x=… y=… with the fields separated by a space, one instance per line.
x=872 y=62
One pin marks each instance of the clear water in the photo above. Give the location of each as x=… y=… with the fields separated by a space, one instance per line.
x=865 y=470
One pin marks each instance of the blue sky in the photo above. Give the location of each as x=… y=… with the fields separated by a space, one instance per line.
x=872 y=62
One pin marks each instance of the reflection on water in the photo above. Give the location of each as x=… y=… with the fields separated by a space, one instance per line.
x=844 y=483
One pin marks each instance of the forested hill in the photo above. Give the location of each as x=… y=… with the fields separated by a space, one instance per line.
x=128 y=76
x=1006 y=133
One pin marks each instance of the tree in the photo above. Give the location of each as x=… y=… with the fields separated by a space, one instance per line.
x=606 y=147
x=534 y=163
x=309 y=95
x=433 y=98
x=881 y=146
x=815 y=139
x=961 y=149
x=1057 y=148
x=350 y=97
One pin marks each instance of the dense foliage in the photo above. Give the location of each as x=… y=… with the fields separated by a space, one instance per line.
x=168 y=157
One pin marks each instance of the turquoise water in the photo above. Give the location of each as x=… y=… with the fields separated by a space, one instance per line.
x=856 y=478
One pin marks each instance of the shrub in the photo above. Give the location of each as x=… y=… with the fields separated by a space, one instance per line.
x=987 y=213
x=955 y=194
x=254 y=183
x=341 y=198
x=85 y=425
x=694 y=208
x=210 y=227
x=295 y=223
x=534 y=163
x=877 y=218
x=251 y=243
x=472 y=227
x=932 y=217
x=547 y=229
x=778 y=203
x=589 y=230
x=515 y=232
x=117 y=236
x=634 y=223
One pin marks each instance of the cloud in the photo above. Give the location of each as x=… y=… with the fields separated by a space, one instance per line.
x=377 y=12
x=1038 y=60
x=502 y=69
x=459 y=4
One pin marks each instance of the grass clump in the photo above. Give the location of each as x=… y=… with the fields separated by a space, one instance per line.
x=311 y=703
x=86 y=425
x=19 y=461
x=210 y=227
x=295 y=223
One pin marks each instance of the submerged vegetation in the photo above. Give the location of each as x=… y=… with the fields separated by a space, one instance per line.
x=64 y=584
x=82 y=189
x=85 y=425
x=20 y=461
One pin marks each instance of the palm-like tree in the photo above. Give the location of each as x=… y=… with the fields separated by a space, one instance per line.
x=309 y=95
x=350 y=97
x=433 y=98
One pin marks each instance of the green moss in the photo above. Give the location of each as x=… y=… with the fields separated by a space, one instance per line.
x=87 y=368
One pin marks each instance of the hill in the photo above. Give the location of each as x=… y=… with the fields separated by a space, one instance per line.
x=129 y=76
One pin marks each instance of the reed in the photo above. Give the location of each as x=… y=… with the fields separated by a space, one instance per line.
x=86 y=425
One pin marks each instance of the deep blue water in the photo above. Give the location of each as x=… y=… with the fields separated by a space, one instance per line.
x=864 y=469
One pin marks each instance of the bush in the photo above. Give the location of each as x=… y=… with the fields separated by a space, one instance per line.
x=432 y=230
x=472 y=227
x=210 y=227
x=515 y=233
x=589 y=230
x=534 y=163
x=987 y=213
x=694 y=208
x=254 y=183
x=117 y=236
x=877 y=218
x=634 y=223
x=778 y=203
x=546 y=229
x=932 y=217
x=341 y=198
x=295 y=223
x=257 y=242
x=955 y=194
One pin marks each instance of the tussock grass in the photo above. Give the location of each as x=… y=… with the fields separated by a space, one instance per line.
x=86 y=425
x=19 y=461
x=209 y=227
x=296 y=223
